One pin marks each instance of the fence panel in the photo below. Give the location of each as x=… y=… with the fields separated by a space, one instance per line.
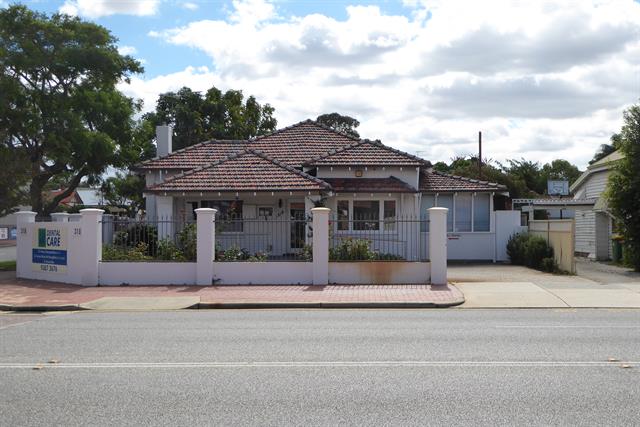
x=263 y=239
x=371 y=238
x=560 y=234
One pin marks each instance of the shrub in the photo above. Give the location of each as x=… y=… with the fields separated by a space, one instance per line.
x=115 y=253
x=187 y=242
x=350 y=249
x=235 y=253
x=515 y=248
x=168 y=251
x=532 y=251
x=535 y=250
x=549 y=265
x=136 y=234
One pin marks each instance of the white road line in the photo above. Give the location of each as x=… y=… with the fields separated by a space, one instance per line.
x=564 y=327
x=338 y=364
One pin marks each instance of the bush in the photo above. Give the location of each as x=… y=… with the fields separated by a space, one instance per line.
x=350 y=249
x=187 y=242
x=235 y=253
x=168 y=251
x=137 y=253
x=532 y=251
x=136 y=234
x=535 y=250
x=515 y=248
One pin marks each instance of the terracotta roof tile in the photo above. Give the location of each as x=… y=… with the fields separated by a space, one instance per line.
x=438 y=181
x=196 y=155
x=249 y=170
x=367 y=152
x=369 y=185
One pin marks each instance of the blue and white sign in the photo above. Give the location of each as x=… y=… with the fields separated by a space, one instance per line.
x=49 y=252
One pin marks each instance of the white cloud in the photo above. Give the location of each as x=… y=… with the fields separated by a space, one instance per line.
x=190 y=5
x=98 y=8
x=127 y=50
x=541 y=80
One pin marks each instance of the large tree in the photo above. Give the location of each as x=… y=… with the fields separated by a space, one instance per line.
x=58 y=99
x=196 y=117
x=14 y=179
x=605 y=149
x=344 y=124
x=624 y=185
x=561 y=170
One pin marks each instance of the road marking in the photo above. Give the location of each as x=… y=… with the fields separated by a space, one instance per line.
x=564 y=327
x=310 y=364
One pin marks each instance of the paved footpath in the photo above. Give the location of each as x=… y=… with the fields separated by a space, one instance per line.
x=18 y=294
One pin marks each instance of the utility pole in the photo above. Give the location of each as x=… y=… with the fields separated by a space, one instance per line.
x=480 y=154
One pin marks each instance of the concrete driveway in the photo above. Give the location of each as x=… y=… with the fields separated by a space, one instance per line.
x=508 y=286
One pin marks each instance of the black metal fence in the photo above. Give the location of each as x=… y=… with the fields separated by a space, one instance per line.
x=163 y=239
x=371 y=238
x=264 y=239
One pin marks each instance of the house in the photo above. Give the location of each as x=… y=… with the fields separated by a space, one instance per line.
x=594 y=224
x=369 y=187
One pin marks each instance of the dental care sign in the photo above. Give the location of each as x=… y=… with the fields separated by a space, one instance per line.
x=49 y=252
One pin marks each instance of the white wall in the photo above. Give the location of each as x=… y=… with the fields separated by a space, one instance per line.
x=147 y=273
x=586 y=233
x=263 y=273
x=379 y=272
x=408 y=174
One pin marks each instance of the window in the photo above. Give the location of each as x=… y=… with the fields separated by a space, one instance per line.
x=343 y=214
x=446 y=201
x=389 y=215
x=463 y=212
x=265 y=212
x=428 y=201
x=481 y=212
x=229 y=217
x=366 y=215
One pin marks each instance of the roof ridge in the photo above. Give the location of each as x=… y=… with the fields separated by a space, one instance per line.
x=238 y=154
x=307 y=121
x=464 y=178
x=375 y=142
x=191 y=147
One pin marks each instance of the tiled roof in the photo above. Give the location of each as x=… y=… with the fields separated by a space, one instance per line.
x=196 y=155
x=367 y=152
x=369 y=185
x=249 y=170
x=296 y=144
x=438 y=181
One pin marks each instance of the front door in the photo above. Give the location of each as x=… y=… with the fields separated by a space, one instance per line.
x=297 y=225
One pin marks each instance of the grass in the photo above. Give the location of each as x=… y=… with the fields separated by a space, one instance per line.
x=7 y=266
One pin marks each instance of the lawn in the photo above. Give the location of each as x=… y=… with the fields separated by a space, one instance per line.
x=7 y=265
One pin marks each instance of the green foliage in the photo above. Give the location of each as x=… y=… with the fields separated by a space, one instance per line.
x=532 y=251
x=340 y=123
x=197 y=117
x=124 y=191
x=138 y=252
x=7 y=266
x=350 y=249
x=60 y=105
x=136 y=234
x=605 y=149
x=169 y=251
x=306 y=253
x=235 y=253
x=623 y=192
x=187 y=241
x=14 y=179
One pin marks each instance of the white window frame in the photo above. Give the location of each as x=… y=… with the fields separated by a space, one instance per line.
x=473 y=198
x=381 y=221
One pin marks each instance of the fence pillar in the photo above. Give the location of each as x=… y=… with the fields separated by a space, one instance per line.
x=438 y=245
x=60 y=217
x=91 y=253
x=320 y=245
x=24 y=242
x=206 y=243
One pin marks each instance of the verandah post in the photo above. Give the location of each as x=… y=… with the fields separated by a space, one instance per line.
x=205 y=244
x=438 y=245
x=320 y=245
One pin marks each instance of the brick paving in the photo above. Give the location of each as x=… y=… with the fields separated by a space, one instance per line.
x=21 y=294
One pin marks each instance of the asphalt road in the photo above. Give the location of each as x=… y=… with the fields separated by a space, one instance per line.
x=322 y=367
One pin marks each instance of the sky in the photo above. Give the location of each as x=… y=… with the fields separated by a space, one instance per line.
x=541 y=80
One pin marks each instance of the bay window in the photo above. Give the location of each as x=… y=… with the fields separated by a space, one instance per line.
x=366 y=215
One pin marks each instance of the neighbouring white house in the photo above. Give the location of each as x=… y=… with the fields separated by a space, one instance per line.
x=368 y=186
x=588 y=206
